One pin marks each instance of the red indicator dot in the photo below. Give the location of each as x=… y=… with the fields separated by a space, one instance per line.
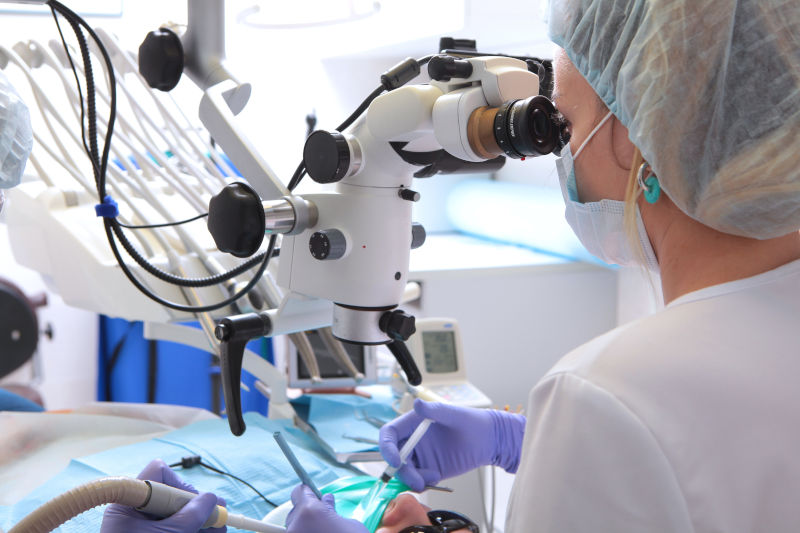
x=364 y=246
x=522 y=159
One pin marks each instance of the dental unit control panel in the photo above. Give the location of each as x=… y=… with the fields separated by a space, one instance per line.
x=438 y=351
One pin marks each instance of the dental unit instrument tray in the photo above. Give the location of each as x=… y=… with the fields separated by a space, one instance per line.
x=346 y=426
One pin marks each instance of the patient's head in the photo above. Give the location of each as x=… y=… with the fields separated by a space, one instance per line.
x=405 y=511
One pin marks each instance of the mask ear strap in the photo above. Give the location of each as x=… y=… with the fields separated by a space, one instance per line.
x=591 y=134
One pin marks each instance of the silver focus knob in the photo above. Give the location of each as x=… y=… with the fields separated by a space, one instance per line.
x=327 y=244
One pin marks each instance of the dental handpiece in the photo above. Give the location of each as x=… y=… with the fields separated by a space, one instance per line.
x=165 y=501
x=407 y=448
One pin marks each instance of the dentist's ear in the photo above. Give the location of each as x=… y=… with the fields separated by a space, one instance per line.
x=621 y=145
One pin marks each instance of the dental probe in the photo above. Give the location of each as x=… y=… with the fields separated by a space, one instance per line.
x=164 y=501
x=407 y=448
x=366 y=506
x=298 y=468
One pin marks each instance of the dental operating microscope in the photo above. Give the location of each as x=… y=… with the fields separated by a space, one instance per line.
x=345 y=252
x=343 y=261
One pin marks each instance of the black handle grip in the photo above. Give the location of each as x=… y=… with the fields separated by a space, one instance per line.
x=234 y=333
x=406 y=361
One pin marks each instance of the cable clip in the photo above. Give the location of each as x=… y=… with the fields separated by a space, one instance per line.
x=108 y=209
x=190 y=461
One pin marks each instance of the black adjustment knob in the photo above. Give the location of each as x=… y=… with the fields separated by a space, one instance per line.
x=236 y=220
x=445 y=68
x=449 y=43
x=326 y=156
x=327 y=244
x=161 y=59
x=409 y=195
x=418 y=235
x=397 y=324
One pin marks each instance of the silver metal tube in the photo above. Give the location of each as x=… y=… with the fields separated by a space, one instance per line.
x=204 y=42
x=279 y=216
x=358 y=326
x=338 y=351
x=290 y=215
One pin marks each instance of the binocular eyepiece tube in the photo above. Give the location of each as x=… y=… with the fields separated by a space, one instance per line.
x=517 y=129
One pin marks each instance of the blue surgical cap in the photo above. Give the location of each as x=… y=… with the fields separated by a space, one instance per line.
x=710 y=93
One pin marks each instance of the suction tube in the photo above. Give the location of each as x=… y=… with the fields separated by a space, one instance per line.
x=149 y=497
x=127 y=491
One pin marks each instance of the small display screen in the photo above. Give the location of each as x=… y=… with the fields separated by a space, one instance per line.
x=329 y=366
x=440 y=352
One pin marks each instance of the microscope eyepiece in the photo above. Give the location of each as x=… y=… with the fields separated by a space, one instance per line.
x=517 y=129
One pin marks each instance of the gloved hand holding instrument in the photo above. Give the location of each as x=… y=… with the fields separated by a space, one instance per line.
x=191 y=517
x=158 y=501
x=311 y=513
x=461 y=440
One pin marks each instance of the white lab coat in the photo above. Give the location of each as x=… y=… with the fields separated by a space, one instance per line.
x=685 y=421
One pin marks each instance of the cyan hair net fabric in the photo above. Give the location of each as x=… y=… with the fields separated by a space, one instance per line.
x=710 y=93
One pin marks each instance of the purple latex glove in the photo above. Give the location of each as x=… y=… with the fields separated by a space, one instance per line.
x=123 y=519
x=311 y=515
x=461 y=439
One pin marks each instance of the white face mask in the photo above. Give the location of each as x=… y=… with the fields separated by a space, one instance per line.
x=600 y=225
x=16 y=137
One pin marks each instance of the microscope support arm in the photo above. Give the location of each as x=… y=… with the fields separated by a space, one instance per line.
x=218 y=107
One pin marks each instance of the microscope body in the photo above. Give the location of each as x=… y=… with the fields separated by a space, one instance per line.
x=366 y=219
x=356 y=256
x=351 y=244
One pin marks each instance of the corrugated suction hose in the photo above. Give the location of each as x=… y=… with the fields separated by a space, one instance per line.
x=47 y=517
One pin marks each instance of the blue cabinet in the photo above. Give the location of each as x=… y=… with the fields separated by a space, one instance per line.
x=134 y=369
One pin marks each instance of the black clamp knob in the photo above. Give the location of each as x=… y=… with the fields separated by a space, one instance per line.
x=161 y=59
x=397 y=324
x=234 y=333
x=327 y=244
x=326 y=156
x=236 y=220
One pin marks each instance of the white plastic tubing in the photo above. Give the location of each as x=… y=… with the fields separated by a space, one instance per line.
x=124 y=490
